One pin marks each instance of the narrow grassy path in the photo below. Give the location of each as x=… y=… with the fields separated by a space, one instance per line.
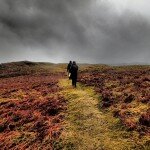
x=88 y=128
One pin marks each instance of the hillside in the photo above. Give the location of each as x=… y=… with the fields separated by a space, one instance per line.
x=125 y=91
x=39 y=109
x=30 y=105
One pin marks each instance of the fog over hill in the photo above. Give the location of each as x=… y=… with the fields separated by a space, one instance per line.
x=88 y=31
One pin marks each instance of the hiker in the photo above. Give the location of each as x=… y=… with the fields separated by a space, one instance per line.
x=69 y=69
x=74 y=71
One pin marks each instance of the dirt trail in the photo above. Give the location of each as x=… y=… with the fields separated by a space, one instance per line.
x=86 y=126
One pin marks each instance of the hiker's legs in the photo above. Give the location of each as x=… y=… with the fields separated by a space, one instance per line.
x=75 y=82
x=72 y=82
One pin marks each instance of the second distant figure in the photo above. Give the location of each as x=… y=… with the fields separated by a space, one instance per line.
x=74 y=73
x=69 y=69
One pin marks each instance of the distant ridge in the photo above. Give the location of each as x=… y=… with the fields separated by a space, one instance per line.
x=30 y=63
x=129 y=64
x=25 y=62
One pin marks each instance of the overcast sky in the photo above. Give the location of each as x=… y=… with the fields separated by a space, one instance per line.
x=91 y=31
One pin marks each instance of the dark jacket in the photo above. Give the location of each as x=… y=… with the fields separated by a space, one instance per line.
x=74 y=71
x=69 y=67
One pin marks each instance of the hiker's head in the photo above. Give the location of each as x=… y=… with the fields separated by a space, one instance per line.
x=70 y=62
x=74 y=63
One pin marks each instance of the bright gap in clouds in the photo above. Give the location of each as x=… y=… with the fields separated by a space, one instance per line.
x=136 y=6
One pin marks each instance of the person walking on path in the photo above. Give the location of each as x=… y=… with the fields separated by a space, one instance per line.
x=69 y=69
x=74 y=73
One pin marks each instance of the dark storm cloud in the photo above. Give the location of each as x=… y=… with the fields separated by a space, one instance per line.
x=40 y=20
x=85 y=30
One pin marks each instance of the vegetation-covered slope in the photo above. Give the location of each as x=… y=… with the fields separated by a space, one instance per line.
x=31 y=107
x=125 y=91
x=39 y=109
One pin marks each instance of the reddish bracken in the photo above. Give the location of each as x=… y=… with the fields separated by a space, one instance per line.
x=30 y=110
x=130 y=123
x=123 y=90
x=145 y=118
